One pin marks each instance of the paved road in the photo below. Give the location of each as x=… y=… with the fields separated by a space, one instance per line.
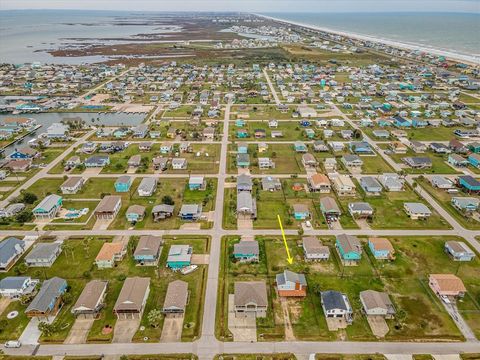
x=272 y=88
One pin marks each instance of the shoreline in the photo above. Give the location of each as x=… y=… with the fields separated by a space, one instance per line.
x=468 y=59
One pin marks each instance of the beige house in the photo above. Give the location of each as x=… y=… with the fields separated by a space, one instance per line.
x=132 y=298
x=176 y=298
x=91 y=300
x=250 y=299
x=109 y=254
x=447 y=285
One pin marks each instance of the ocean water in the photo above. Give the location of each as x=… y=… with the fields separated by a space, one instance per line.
x=453 y=32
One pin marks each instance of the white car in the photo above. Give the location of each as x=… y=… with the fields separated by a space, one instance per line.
x=13 y=344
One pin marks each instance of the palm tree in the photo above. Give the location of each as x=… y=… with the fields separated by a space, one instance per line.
x=154 y=317
x=68 y=248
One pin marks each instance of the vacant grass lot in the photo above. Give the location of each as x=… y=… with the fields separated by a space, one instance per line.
x=265 y=112
x=291 y=131
x=421 y=315
x=430 y=133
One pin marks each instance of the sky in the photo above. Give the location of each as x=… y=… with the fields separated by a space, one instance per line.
x=470 y=6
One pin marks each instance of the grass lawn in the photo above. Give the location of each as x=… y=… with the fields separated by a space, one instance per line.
x=439 y=163
x=444 y=198
x=229 y=220
x=375 y=165
x=291 y=131
x=276 y=356
x=349 y=357
x=266 y=112
x=13 y=327
x=429 y=133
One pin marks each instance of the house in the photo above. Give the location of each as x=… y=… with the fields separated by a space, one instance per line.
x=25 y=152
x=73 y=162
x=418 y=162
x=301 y=212
x=381 y=248
x=135 y=213
x=14 y=287
x=457 y=147
x=246 y=205
x=401 y=122
x=246 y=251
x=342 y=184
x=176 y=298
x=97 y=161
x=329 y=208
x=12 y=210
x=439 y=148
x=352 y=161
x=306 y=112
x=160 y=163
x=391 y=182
x=370 y=185
x=360 y=147
x=48 y=300
x=108 y=207
x=244 y=183
x=336 y=305
x=166 y=148
x=313 y=249
x=418 y=146
x=300 y=147
x=457 y=160
x=43 y=254
x=318 y=183
x=190 y=212
x=381 y=134
x=123 y=183
x=148 y=250
x=465 y=204
x=397 y=147
x=11 y=249
x=58 y=131
x=459 y=251
x=474 y=160
x=260 y=133
x=48 y=207
x=441 y=182
x=110 y=253
x=416 y=211
x=179 y=164
x=330 y=164
x=162 y=211
x=360 y=210
x=474 y=147
x=349 y=249
x=319 y=146
x=290 y=284
x=185 y=147
x=250 y=299
x=376 y=303
x=72 y=185
x=91 y=300
x=135 y=161
x=309 y=161
x=145 y=146
x=469 y=183
x=265 y=163
x=196 y=182
x=242 y=148
x=270 y=183
x=147 y=187
x=21 y=165
x=276 y=134
x=447 y=285
x=140 y=131
x=209 y=133
x=132 y=298
x=179 y=256
x=243 y=160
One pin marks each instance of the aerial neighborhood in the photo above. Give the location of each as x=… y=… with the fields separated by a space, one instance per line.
x=262 y=201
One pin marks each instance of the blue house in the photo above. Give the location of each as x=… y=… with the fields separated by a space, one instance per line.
x=301 y=212
x=469 y=183
x=349 y=249
x=419 y=123
x=246 y=251
x=23 y=153
x=360 y=147
x=123 y=184
x=381 y=248
x=459 y=251
x=239 y=123
x=196 y=182
x=242 y=148
x=48 y=300
x=241 y=134
x=179 y=256
x=300 y=147
x=166 y=148
x=310 y=133
x=135 y=213
x=475 y=147
x=401 y=122
x=474 y=160
x=148 y=250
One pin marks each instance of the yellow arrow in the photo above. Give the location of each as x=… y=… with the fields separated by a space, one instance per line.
x=289 y=257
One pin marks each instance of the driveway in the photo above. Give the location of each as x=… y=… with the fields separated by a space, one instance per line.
x=79 y=331
x=124 y=330
x=459 y=321
x=289 y=335
x=200 y=259
x=242 y=328
x=335 y=324
x=244 y=224
x=172 y=328
x=447 y=357
x=378 y=325
x=398 y=357
x=102 y=224
x=31 y=334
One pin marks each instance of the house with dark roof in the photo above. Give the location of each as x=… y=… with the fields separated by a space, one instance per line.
x=336 y=305
x=48 y=300
x=43 y=254
x=11 y=249
x=14 y=287
x=246 y=251
x=469 y=183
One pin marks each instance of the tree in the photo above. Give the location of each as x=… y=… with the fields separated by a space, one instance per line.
x=68 y=248
x=24 y=216
x=29 y=198
x=47 y=329
x=21 y=269
x=154 y=317
x=167 y=199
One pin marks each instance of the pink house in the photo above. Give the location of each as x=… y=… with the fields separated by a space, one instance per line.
x=447 y=285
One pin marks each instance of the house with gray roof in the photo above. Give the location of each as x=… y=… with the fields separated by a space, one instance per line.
x=391 y=182
x=190 y=212
x=336 y=305
x=132 y=298
x=270 y=183
x=352 y=161
x=91 y=300
x=465 y=204
x=417 y=211
x=246 y=251
x=48 y=300
x=360 y=209
x=246 y=205
x=370 y=185
x=291 y=284
x=250 y=299
x=244 y=183
x=48 y=207
x=313 y=249
x=14 y=287
x=147 y=186
x=418 y=162
x=43 y=254
x=162 y=212
x=10 y=251
x=459 y=251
